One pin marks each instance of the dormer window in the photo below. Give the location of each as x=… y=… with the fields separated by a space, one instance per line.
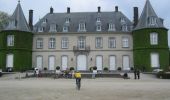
x=122 y=20
x=41 y=29
x=45 y=21
x=111 y=27
x=98 y=27
x=65 y=28
x=82 y=27
x=98 y=19
x=53 y=28
x=124 y=28
x=152 y=21
x=13 y=24
x=67 y=20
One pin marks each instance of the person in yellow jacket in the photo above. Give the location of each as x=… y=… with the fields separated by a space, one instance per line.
x=77 y=75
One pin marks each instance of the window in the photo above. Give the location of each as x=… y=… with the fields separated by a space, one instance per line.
x=112 y=42
x=39 y=62
x=41 y=29
x=126 y=62
x=154 y=38
x=111 y=27
x=81 y=42
x=82 y=27
x=125 y=42
x=98 y=28
x=124 y=28
x=39 y=43
x=122 y=20
x=99 y=42
x=67 y=20
x=152 y=21
x=98 y=19
x=12 y=24
x=53 y=28
x=45 y=21
x=51 y=43
x=65 y=28
x=64 y=43
x=10 y=40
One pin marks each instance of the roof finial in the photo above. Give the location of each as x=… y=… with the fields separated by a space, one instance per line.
x=18 y=1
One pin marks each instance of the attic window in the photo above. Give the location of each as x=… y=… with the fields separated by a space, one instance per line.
x=41 y=29
x=53 y=28
x=82 y=27
x=98 y=27
x=122 y=20
x=111 y=27
x=124 y=28
x=67 y=20
x=65 y=28
x=13 y=24
x=45 y=21
x=152 y=21
x=98 y=19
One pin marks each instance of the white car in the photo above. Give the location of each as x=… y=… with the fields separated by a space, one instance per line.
x=157 y=70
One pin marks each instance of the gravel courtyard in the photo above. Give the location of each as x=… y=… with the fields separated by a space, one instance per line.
x=147 y=88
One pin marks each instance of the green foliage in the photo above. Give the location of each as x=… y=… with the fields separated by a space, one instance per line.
x=143 y=48
x=22 y=50
x=4 y=17
x=105 y=69
x=58 y=68
x=71 y=68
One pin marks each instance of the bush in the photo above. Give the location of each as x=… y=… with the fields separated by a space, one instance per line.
x=105 y=69
x=57 y=68
x=71 y=68
x=91 y=68
x=119 y=68
x=94 y=68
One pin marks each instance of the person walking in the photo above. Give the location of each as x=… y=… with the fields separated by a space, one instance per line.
x=78 y=79
x=138 y=74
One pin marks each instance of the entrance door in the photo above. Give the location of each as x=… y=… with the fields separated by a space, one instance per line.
x=39 y=61
x=99 y=62
x=81 y=62
x=64 y=61
x=126 y=64
x=9 y=60
x=51 y=62
x=112 y=62
x=155 y=60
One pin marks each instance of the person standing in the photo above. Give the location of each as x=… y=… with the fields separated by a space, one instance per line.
x=135 y=73
x=138 y=74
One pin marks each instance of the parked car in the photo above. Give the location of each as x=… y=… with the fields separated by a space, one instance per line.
x=157 y=70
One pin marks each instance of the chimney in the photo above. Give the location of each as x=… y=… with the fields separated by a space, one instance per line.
x=31 y=19
x=68 y=10
x=51 y=10
x=99 y=9
x=135 y=20
x=116 y=9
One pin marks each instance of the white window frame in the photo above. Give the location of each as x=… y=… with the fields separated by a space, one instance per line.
x=52 y=43
x=10 y=40
x=65 y=28
x=39 y=43
x=53 y=28
x=111 y=27
x=98 y=27
x=112 y=42
x=82 y=27
x=155 y=63
x=99 y=42
x=154 y=38
x=124 y=28
x=41 y=29
x=67 y=20
x=64 y=43
x=122 y=20
x=125 y=42
x=81 y=42
x=152 y=21
x=98 y=19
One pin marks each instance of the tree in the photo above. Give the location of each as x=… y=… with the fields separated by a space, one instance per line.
x=4 y=17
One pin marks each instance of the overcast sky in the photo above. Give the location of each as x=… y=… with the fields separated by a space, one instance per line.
x=42 y=7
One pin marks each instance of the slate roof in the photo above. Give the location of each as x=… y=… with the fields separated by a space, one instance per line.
x=88 y=17
x=147 y=12
x=17 y=20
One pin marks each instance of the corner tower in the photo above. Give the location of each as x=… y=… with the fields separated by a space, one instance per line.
x=150 y=41
x=16 y=43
